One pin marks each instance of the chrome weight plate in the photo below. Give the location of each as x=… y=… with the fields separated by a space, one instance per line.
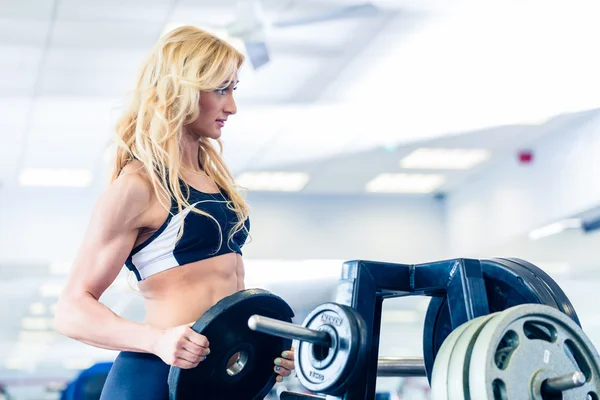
x=330 y=370
x=518 y=350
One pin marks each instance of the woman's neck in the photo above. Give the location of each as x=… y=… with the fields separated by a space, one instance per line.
x=190 y=147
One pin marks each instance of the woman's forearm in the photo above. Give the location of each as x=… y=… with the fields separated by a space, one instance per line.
x=87 y=320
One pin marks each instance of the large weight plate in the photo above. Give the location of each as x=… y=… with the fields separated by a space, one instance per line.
x=560 y=297
x=440 y=375
x=539 y=287
x=458 y=372
x=518 y=346
x=240 y=363
x=505 y=288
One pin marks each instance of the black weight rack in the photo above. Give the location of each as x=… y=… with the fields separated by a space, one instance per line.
x=364 y=285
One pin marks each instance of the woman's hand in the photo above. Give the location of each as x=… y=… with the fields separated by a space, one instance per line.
x=181 y=347
x=284 y=365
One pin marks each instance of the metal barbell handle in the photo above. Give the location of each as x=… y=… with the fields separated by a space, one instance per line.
x=386 y=366
x=400 y=366
x=562 y=383
x=287 y=330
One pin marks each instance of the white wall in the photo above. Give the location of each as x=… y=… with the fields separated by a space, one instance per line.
x=511 y=199
x=399 y=229
x=45 y=226
x=42 y=226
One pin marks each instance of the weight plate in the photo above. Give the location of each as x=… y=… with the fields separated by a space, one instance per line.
x=505 y=288
x=439 y=375
x=518 y=346
x=563 y=302
x=540 y=287
x=331 y=370
x=458 y=365
x=240 y=364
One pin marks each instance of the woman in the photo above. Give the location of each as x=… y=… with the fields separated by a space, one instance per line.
x=171 y=214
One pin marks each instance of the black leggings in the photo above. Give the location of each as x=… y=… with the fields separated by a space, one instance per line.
x=136 y=376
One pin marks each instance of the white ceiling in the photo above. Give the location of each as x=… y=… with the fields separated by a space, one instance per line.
x=412 y=72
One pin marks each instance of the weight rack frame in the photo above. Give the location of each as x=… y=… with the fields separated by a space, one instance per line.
x=365 y=284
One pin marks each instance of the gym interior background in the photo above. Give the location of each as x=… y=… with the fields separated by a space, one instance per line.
x=391 y=130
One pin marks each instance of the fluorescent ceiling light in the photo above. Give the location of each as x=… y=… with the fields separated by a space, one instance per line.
x=435 y=158
x=55 y=177
x=555 y=228
x=273 y=181
x=405 y=183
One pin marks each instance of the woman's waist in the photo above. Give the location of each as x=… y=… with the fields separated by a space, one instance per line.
x=186 y=302
x=169 y=313
x=199 y=275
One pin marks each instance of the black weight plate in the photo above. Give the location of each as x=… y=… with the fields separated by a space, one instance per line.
x=563 y=302
x=225 y=325
x=540 y=288
x=505 y=288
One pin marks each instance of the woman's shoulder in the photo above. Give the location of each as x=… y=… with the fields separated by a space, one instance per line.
x=134 y=182
x=134 y=167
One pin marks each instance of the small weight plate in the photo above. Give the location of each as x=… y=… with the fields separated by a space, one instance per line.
x=505 y=288
x=563 y=302
x=331 y=370
x=240 y=364
x=439 y=375
x=519 y=344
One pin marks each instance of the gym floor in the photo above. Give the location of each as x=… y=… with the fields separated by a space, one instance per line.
x=398 y=131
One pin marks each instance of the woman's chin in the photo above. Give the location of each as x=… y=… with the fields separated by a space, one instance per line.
x=216 y=135
x=211 y=135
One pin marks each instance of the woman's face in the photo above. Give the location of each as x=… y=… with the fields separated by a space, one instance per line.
x=215 y=108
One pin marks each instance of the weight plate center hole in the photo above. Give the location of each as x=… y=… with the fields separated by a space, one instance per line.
x=320 y=353
x=551 y=396
x=237 y=362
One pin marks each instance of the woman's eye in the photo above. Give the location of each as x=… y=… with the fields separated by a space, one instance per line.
x=225 y=90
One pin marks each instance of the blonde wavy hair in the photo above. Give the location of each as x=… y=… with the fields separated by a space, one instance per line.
x=184 y=63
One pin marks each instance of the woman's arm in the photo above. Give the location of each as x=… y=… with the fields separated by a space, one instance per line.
x=110 y=236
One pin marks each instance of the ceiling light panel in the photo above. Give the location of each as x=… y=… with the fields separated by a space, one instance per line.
x=438 y=158
x=405 y=183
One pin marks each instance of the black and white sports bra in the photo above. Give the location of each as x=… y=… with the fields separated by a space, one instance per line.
x=201 y=238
